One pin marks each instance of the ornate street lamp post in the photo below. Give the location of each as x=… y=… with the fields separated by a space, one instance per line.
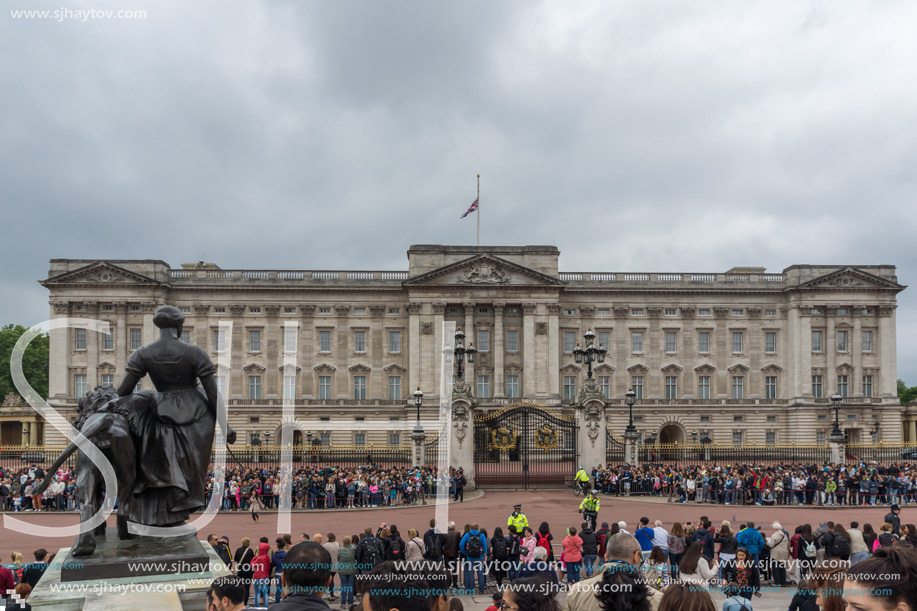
x=418 y=401
x=590 y=353
x=836 y=399
x=461 y=351
x=630 y=397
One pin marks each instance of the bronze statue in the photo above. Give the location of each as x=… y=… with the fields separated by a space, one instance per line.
x=171 y=430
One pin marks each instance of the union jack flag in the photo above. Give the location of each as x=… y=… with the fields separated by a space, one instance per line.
x=472 y=208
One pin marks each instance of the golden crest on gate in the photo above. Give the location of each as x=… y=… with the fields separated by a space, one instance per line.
x=546 y=438
x=503 y=439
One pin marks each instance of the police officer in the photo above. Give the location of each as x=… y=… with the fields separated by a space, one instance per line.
x=590 y=508
x=893 y=518
x=517 y=519
x=581 y=479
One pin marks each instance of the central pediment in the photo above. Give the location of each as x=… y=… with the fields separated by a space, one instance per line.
x=100 y=273
x=483 y=271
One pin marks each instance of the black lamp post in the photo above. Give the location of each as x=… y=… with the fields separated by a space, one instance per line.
x=461 y=351
x=875 y=431
x=418 y=401
x=630 y=397
x=694 y=436
x=590 y=353
x=836 y=399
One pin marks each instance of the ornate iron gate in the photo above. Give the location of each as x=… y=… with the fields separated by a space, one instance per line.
x=524 y=445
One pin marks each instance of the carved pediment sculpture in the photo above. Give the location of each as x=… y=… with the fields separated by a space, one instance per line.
x=484 y=273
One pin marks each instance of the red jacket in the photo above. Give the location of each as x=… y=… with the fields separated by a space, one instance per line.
x=6 y=579
x=261 y=565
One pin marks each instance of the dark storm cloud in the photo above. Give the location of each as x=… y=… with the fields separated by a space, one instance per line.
x=634 y=136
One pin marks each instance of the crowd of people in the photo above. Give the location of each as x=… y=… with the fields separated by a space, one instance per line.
x=248 y=489
x=796 y=484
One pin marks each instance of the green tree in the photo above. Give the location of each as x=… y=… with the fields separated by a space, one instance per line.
x=34 y=361
x=905 y=394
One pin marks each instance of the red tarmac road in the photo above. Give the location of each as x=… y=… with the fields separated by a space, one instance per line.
x=557 y=507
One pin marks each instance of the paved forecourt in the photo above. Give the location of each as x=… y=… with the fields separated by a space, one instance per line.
x=557 y=507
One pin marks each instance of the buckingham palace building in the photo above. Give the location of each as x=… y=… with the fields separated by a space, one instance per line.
x=737 y=356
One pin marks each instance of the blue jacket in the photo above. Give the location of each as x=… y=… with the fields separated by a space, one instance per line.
x=751 y=540
x=644 y=536
x=706 y=538
x=464 y=543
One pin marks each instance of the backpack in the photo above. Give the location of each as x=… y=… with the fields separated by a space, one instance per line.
x=840 y=547
x=473 y=548
x=886 y=539
x=514 y=549
x=809 y=548
x=543 y=542
x=373 y=555
x=500 y=552
x=434 y=546
x=395 y=549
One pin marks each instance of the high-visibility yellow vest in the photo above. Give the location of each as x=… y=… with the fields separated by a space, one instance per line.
x=589 y=504
x=519 y=521
x=582 y=477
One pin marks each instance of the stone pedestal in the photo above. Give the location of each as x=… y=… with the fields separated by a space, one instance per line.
x=141 y=591
x=417 y=440
x=590 y=419
x=631 y=454
x=461 y=452
x=838 y=449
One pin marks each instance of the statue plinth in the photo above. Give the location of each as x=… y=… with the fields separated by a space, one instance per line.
x=140 y=557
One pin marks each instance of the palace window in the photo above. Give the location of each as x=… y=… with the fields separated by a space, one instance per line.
x=324 y=387
x=867 y=341
x=359 y=341
x=512 y=341
x=289 y=310
x=770 y=437
x=324 y=341
x=843 y=385
x=603 y=340
x=359 y=310
x=842 y=341
x=703 y=387
x=703 y=312
x=670 y=341
x=867 y=386
x=770 y=312
x=324 y=310
x=136 y=339
x=737 y=437
x=254 y=310
x=359 y=439
x=770 y=342
x=221 y=386
x=816 y=341
x=821 y=436
x=219 y=340
x=512 y=387
x=671 y=312
x=394 y=310
x=289 y=339
x=186 y=336
x=483 y=340
x=636 y=341
x=818 y=386
x=324 y=438
x=569 y=341
x=738 y=312
x=671 y=387
x=394 y=388
x=484 y=387
x=636 y=384
x=570 y=312
x=108 y=341
x=703 y=341
x=737 y=337
x=79 y=385
x=738 y=387
x=79 y=342
x=602 y=312
x=254 y=341
x=636 y=312
x=394 y=341
x=289 y=388
x=569 y=387
x=359 y=387
x=108 y=379
x=394 y=439
x=254 y=387
x=770 y=387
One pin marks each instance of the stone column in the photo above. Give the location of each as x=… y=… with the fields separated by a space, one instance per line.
x=309 y=349
x=498 y=350
x=120 y=340
x=804 y=347
x=59 y=361
x=461 y=452
x=888 y=383
x=149 y=332
x=855 y=345
x=342 y=352
x=92 y=349
x=591 y=425
x=417 y=441
x=837 y=448
x=414 y=339
x=238 y=382
x=553 y=364
x=528 y=345
x=911 y=430
x=378 y=346
x=272 y=348
x=33 y=433
x=631 y=455
x=830 y=352
x=435 y=364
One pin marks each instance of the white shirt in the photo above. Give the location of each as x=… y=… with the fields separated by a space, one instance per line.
x=661 y=537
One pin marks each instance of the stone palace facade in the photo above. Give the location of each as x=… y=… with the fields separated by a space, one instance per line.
x=737 y=356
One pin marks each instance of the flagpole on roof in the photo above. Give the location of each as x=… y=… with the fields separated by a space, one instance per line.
x=479 y=209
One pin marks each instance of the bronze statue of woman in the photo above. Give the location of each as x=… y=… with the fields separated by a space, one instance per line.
x=174 y=439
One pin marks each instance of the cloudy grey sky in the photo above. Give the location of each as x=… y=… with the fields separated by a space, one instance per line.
x=636 y=136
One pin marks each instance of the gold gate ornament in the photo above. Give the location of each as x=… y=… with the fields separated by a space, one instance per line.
x=503 y=439
x=546 y=438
